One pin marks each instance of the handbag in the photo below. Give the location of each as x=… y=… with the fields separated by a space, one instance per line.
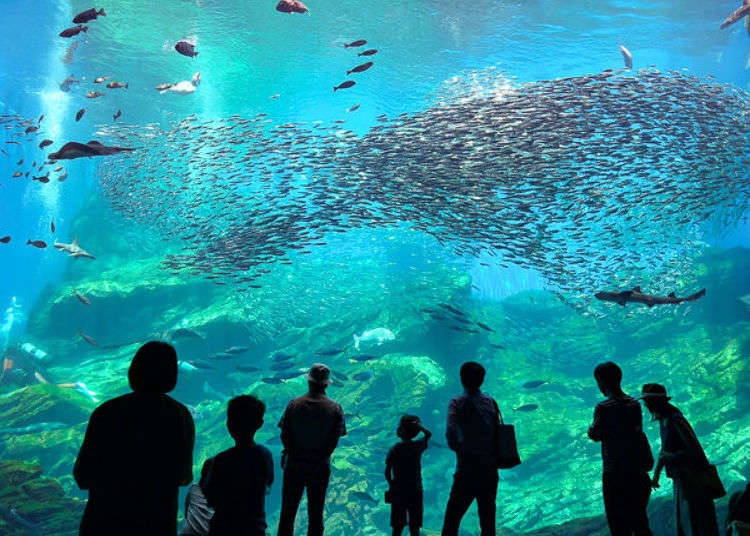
x=506 y=447
x=701 y=482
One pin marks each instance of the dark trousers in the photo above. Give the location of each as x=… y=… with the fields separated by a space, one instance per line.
x=626 y=497
x=468 y=486
x=296 y=480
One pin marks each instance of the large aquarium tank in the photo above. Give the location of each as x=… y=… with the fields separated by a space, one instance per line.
x=391 y=188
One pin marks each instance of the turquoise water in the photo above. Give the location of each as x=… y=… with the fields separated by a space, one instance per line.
x=494 y=164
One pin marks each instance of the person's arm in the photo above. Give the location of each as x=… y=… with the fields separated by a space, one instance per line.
x=88 y=457
x=453 y=433
x=389 y=469
x=269 y=470
x=657 y=473
x=186 y=454
x=595 y=430
x=426 y=432
x=213 y=490
x=339 y=430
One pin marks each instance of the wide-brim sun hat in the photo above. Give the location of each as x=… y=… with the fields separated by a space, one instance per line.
x=654 y=391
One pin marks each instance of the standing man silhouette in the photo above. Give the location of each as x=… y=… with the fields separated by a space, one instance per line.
x=472 y=431
x=626 y=455
x=310 y=430
x=137 y=452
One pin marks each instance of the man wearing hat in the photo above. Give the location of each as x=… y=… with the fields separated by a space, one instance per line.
x=310 y=430
x=684 y=458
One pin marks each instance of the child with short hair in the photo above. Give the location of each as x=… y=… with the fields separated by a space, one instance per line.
x=240 y=476
x=403 y=470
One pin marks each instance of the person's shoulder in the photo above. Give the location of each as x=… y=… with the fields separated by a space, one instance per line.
x=262 y=450
x=114 y=404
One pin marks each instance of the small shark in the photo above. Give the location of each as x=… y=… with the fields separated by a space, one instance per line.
x=74 y=249
x=637 y=296
x=73 y=149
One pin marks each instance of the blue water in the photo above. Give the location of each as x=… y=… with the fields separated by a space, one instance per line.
x=254 y=60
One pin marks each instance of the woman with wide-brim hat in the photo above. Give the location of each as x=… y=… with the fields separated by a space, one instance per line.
x=683 y=457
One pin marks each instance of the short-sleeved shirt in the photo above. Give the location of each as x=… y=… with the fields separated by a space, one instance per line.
x=309 y=425
x=471 y=431
x=236 y=489
x=618 y=424
x=406 y=459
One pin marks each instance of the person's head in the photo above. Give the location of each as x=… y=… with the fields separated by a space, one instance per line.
x=408 y=427
x=472 y=375
x=244 y=417
x=608 y=377
x=204 y=472
x=154 y=368
x=655 y=399
x=319 y=377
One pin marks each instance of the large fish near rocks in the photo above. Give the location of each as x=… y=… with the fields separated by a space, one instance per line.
x=637 y=296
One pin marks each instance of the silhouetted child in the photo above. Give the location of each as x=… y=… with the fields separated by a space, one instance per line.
x=403 y=470
x=240 y=476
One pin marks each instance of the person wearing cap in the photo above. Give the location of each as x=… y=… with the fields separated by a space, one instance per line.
x=137 y=452
x=681 y=452
x=626 y=455
x=310 y=430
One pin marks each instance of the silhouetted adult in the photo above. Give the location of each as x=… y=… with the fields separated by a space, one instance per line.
x=310 y=430
x=626 y=455
x=241 y=476
x=738 y=517
x=137 y=451
x=681 y=454
x=198 y=513
x=473 y=425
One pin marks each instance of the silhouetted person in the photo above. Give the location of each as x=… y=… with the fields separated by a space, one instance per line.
x=738 y=517
x=137 y=452
x=626 y=455
x=197 y=512
x=473 y=425
x=310 y=430
x=403 y=471
x=240 y=476
x=695 y=515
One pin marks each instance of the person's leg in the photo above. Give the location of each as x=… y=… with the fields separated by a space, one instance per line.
x=398 y=518
x=416 y=512
x=460 y=498
x=486 y=503
x=702 y=513
x=616 y=504
x=317 y=485
x=397 y=530
x=291 y=494
x=642 y=494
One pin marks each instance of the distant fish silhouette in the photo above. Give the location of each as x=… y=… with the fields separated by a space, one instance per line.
x=73 y=149
x=88 y=15
x=291 y=6
x=636 y=296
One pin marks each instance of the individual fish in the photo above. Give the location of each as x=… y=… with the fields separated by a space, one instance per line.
x=369 y=52
x=361 y=496
x=183 y=333
x=362 y=358
x=41 y=244
x=88 y=15
x=353 y=108
x=740 y=12
x=116 y=115
x=484 y=326
x=17 y=174
x=116 y=85
x=73 y=249
x=282 y=357
x=343 y=85
x=627 y=57
x=200 y=364
x=74 y=149
x=339 y=375
x=62 y=177
x=186 y=49
x=45 y=143
x=5 y=239
x=284 y=365
x=272 y=381
x=100 y=79
x=52 y=226
x=81 y=298
x=291 y=6
x=527 y=408
x=534 y=384
x=247 y=368
x=637 y=296
x=288 y=375
x=329 y=351
x=376 y=335
x=30 y=129
x=363 y=376
x=360 y=68
x=357 y=43
x=72 y=32
x=69 y=81
x=235 y=350
x=94 y=94
x=89 y=339
x=164 y=87
x=19 y=162
x=222 y=355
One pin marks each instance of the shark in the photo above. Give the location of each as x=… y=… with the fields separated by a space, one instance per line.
x=73 y=149
x=73 y=249
x=636 y=295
